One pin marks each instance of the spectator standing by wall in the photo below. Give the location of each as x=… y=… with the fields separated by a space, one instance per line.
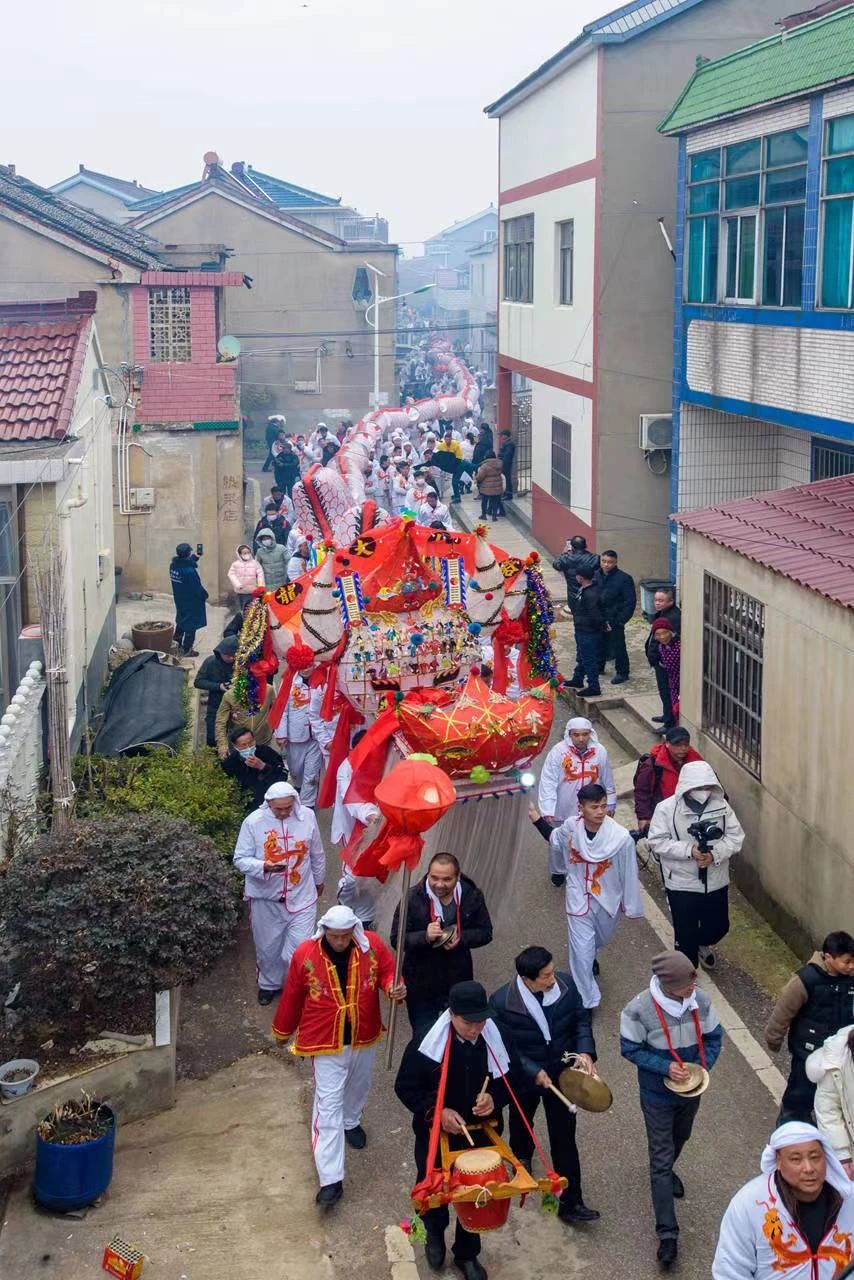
x=589 y=622
x=665 y=607
x=619 y=601
x=507 y=454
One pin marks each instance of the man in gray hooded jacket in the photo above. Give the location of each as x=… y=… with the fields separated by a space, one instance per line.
x=273 y=559
x=693 y=835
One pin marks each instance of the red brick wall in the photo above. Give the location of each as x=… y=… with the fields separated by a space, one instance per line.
x=197 y=391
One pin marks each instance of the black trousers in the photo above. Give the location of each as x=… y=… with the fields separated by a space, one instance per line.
x=588 y=648
x=185 y=640
x=508 y=492
x=466 y=1243
x=799 y=1098
x=699 y=919
x=491 y=505
x=614 y=646
x=667 y=1131
x=561 y=1125
x=664 y=693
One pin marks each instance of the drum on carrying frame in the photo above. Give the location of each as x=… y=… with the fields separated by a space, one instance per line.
x=477 y=1168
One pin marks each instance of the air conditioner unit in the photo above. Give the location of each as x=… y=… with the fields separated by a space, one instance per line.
x=656 y=431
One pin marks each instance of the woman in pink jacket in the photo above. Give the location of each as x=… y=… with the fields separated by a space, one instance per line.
x=245 y=575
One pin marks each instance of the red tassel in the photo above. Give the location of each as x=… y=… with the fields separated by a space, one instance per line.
x=402 y=848
x=338 y=752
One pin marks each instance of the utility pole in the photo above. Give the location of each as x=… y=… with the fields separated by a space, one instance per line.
x=372 y=317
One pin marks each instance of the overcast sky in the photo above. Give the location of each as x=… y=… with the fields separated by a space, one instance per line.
x=378 y=101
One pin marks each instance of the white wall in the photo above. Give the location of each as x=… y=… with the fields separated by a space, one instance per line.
x=548 y=402
x=562 y=118
x=543 y=332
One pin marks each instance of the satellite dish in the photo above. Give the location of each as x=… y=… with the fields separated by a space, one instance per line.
x=228 y=347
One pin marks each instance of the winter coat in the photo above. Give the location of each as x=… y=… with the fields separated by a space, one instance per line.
x=656 y=777
x=617 y=596
x=831 y=1068
x=482 y=447
x=273 y=560
x=490 y=478
x=569 y=562
x=212 y=674
x=229 y=716
x=278 y=526
x=506 y=454
x=643 y=1042
x=671 y=844
x=813 y=1005
x=245 y=575
x=188 y=593
x=429 y=971
x=255 y=781
x=568 y=1021
x=673 y=614
x=586 y=606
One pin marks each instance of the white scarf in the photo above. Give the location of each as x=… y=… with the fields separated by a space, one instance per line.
x=605 y=844
x=438 y=906
x=793 y=1132
x=534 y=1007
x=676 y=1008
x=433 y=1044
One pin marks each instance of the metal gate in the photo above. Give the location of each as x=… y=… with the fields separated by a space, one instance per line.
x=522 y=439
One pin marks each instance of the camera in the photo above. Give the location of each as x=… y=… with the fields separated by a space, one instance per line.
x=705 y=832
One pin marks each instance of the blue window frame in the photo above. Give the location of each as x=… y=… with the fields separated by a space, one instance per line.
x=837 y=252
x=830 y=458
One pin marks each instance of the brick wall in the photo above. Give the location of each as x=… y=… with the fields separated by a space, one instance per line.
x=199 y=390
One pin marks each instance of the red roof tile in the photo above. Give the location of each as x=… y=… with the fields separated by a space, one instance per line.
x=805 y=533
x=40 y=367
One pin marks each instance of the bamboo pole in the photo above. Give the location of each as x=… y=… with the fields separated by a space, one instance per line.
x=50 y=590
x=405 y=880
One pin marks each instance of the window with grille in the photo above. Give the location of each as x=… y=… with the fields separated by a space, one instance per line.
x=837 y=254
x=733 y=643
x=169 y=324
x=562 y=461
x=565 y=250
x=831 y=460
x=519 y=259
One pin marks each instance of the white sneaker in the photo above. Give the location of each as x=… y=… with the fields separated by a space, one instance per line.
x=708 y=959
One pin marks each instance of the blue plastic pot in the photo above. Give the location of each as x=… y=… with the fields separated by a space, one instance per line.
x=72 y=1176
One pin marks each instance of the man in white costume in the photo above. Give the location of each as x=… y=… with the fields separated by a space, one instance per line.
x=297 y=737
x=432 y=509
x=597 y=856
x=356 y=892
x=580 y=758
x=280 y=853
x=331 y=1007
x=796 y=1220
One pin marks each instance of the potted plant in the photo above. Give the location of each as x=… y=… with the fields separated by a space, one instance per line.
x=74 y=1154
x=17 y=1076
x=153 y=635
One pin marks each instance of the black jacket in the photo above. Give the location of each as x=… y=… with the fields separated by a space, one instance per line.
x=568 y=563
x=569 y=1022
x=507 y=453
x=188 y=593
x=829 y=1008
x=417 y=1082
x=255 y=781
x=211 y=674
x=431 y=971
x=586 y=606
x=482 y=448
x=279 y=528
x=618 y=596
x=673 y=614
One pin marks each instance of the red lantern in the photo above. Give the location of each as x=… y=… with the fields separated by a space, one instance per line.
x=412 y=797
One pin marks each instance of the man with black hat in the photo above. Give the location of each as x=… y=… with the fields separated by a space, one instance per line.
x=658 y=772
x=189 y=596
x=541 y=1018
x=663 y=1029
x=475 y=1051
x=446 y=920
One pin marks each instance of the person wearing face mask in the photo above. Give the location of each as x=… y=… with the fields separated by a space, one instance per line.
x=568 y=767
x=245 y=574
x=796 y=1219
x=669 y=1025
x=254 y=767
x=696 y=880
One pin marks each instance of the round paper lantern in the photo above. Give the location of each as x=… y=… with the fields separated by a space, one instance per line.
x=412 y=797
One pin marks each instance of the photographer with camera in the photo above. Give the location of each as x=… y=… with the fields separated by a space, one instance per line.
x=693 y=835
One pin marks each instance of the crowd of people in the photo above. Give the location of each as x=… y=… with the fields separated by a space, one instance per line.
x=473 y=1057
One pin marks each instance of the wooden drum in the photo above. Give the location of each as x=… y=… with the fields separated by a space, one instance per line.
x=473 y=1169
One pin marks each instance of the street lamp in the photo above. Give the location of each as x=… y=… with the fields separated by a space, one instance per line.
x=372 y=317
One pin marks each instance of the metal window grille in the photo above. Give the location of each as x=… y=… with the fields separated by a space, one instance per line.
x=562 y=461
x=519 y=259
x=830 y=461
x=169 y=324
x=522 y=438
x=733 y=642
x=566 y=248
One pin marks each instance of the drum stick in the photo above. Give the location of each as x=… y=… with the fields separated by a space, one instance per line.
x=468 y=1137
x=566 y=1102
x=484 y=1086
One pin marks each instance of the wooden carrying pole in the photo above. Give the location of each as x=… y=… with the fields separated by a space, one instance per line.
x=405 y=880
x=50 y=591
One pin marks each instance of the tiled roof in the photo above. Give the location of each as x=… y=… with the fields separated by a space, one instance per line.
x=123 y=188
x=287 y=195
x=794 y=62
x=805 y=533
x=121 y=242
x=159 y=198
x=616 y=27
x=40 y=368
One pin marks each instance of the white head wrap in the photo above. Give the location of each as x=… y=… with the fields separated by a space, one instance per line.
x=339 y=917
x=284 y=791
x=579 y=722
x=793 y=1132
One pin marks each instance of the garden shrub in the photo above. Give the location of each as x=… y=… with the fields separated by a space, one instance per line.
x=100 y=917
